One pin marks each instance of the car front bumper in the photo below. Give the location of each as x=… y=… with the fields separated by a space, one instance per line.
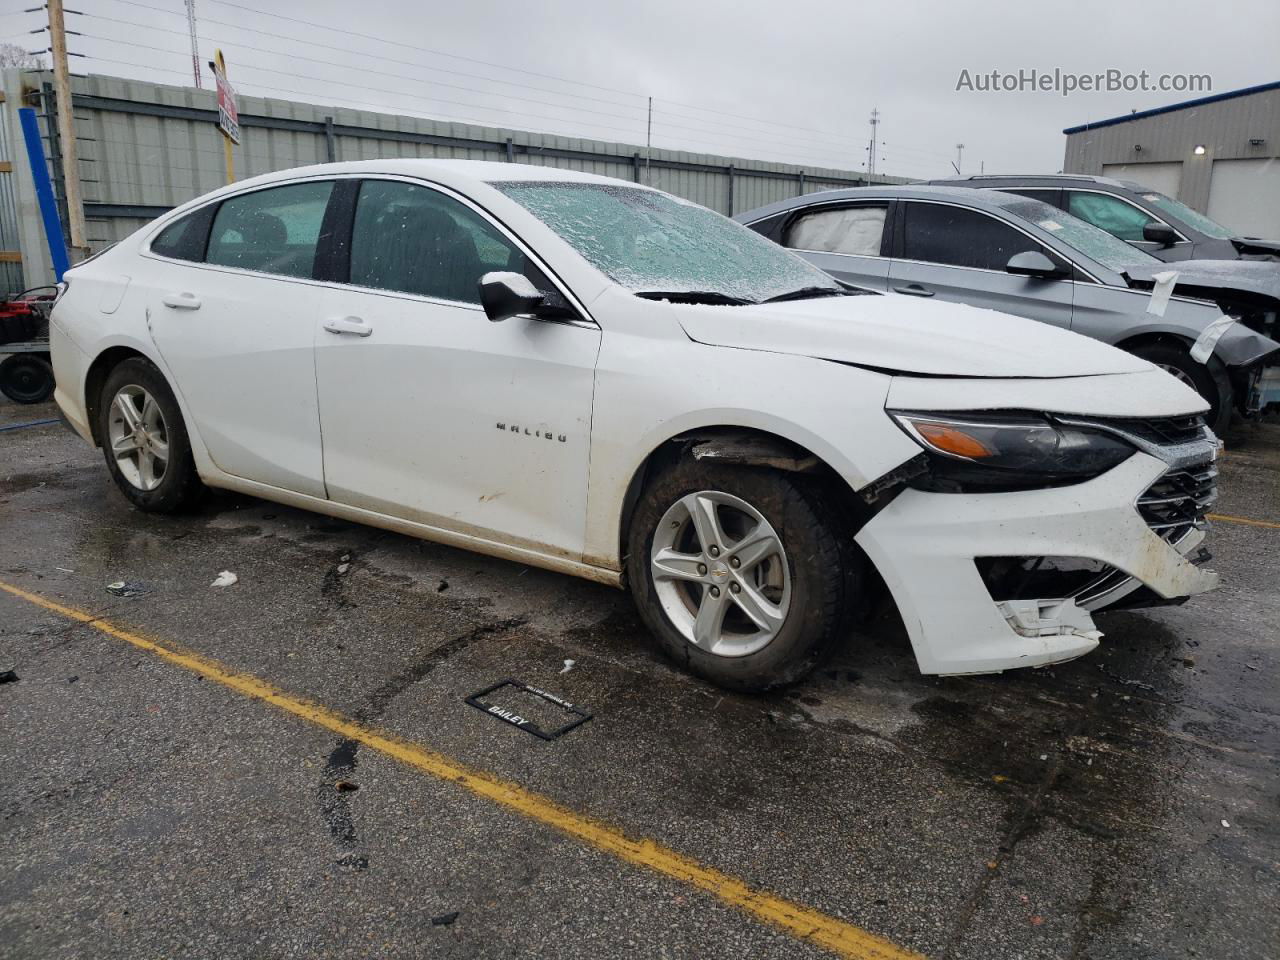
x=925 y=546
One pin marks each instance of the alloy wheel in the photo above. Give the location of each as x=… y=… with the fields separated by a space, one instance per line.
x=721 y=574
x=139 y=437
x=1180 y=374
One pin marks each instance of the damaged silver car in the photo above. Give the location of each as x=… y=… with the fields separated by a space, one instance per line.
x=1022 y=256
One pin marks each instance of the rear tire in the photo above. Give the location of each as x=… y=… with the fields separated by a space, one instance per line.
x=800 y=589
x=26 y=378
x=145 y=441
x=1210 y=379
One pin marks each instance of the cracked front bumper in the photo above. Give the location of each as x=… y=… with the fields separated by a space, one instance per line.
x=925 y=546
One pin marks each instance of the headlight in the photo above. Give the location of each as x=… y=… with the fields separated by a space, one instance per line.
x=1009 y=451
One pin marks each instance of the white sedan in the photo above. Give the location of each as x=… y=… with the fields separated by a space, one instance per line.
x=593 y=376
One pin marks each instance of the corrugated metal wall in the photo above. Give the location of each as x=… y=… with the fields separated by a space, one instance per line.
x=12 y=156
x=147 y=147
x=1224 y=127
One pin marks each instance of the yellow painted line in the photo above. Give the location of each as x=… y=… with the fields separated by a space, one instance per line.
x=1226 y=518
x=811 y=926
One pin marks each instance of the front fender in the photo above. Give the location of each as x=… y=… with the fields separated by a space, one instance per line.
x=652 y=389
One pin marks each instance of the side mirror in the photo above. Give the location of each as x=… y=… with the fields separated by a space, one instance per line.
x=504 y=294
x=1033 y=263
x=1160 y=233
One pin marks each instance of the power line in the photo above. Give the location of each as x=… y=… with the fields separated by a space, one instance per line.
x=355 y=86
x=251 y=66
x=408 y=46
x=417 y=65
x=719 y=148
x=365 y=68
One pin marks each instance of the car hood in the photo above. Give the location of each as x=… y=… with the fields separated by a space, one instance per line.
x=1257 y=247
x=1202 y=277
x=901 y=334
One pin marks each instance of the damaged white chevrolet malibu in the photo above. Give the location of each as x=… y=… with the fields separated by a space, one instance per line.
x=596 y=377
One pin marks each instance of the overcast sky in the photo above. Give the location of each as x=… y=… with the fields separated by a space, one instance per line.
x=793 y=81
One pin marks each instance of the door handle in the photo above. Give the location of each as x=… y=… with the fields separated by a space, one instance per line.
x=913 y=290
x=353 y=326
x=181 y=301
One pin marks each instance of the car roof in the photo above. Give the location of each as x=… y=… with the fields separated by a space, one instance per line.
x=454 y=173
x=981 y=200
x=1033 y=179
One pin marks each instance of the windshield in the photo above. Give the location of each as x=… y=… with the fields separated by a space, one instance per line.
x=1188 y=216
x=1098 y=245
x=650 y=242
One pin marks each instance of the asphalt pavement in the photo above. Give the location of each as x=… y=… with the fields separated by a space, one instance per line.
x=154 y=804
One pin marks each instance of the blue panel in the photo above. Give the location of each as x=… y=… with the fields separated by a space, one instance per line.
x=44 y=193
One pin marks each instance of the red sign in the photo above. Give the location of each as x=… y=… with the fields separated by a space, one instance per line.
x=228 y=112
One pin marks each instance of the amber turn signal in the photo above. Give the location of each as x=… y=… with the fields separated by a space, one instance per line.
x=953 y=440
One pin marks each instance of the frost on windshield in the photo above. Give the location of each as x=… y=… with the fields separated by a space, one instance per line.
x=1210 y=228
x=1096 y=244
x=649 y=241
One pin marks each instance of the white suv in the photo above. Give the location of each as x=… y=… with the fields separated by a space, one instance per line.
x=598 y=378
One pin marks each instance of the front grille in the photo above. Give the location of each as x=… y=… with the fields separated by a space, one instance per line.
x=1162 y=431
x=1179 y=500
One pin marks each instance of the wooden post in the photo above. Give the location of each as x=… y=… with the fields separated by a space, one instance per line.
x=66 y=129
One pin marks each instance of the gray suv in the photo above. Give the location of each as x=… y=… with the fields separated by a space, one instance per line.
x=1166 y=228
x=1022 y=256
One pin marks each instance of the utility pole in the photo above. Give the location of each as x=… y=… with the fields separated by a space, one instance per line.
x=959 y=153
x=195 y=46
x=871 y=151
x=66 y=127
x=648 y=143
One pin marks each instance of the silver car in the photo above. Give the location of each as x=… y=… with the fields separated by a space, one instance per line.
x=1021 y=256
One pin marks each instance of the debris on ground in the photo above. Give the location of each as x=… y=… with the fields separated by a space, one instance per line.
x=444 y=919
x=123 y=589
x=568 y=665
x=1225 y=823
x=1128 y=683
x=225 y=579
x=343 y=568
x=444 y=585
x=346 y=786
x=64 y=569
x=8 y=676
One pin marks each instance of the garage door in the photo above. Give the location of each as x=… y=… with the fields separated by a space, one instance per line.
x=1163 y=178
x=1245 y=196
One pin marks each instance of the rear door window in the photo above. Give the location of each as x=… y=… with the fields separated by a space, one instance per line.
x=856 y=231
x=1118 y=217
x=271 y=231
x=958 y=237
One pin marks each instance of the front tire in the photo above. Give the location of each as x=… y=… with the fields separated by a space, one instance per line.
x=1210 y=379
x=145 y=441
x=741 y=574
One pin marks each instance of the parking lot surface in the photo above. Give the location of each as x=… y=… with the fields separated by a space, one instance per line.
x=155 y=804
